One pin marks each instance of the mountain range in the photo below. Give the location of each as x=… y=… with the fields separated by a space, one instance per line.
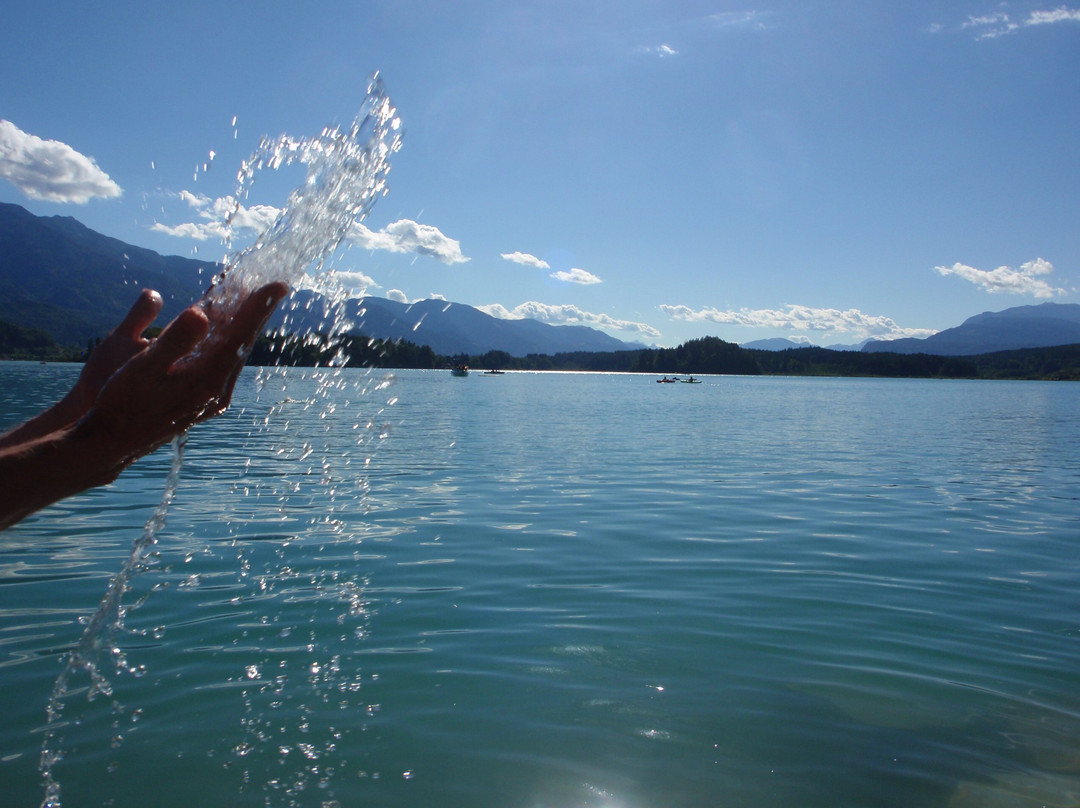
x=60 y=277
x=1040 y=326
x=786 y=343
x=450 y=328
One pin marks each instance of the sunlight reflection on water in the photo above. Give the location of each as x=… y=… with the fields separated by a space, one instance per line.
x=778 y=592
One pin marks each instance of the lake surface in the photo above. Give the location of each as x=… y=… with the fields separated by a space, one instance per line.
x=555 y=590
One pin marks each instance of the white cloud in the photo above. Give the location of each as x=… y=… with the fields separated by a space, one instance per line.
x=663 y=50
x=351 y=279
x=1061 y=14
x=726 y=19
x=999 y=23
x=197 y=201
x=400 y=297
x=575 y=276
x=989 y=26
x=689 y=30
x=221 y=218
x=200 y=231
x=801 y=318
x=526 y=260
x=51 y=170
x=256 y=219
x=1023 y=281
x=407 y=236
x=566 y=315
x=345 y=283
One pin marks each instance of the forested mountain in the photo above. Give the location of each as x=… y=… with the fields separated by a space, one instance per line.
x=1040 y=326
x=75 y=285
x=63 y=285
x=450 y=328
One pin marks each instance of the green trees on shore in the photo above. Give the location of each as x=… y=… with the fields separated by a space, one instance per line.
x=708 y=355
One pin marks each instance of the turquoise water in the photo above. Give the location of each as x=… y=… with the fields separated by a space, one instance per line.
x=551 y=590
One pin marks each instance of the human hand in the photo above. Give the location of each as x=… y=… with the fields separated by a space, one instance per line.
x=184 y=376
x=147 y=392
x=123 y=342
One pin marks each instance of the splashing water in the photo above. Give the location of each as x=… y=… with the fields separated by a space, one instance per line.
x=99 y=636
x=346 y=170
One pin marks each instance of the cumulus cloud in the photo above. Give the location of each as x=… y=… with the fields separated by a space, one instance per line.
x=200 y=231
x=223 y=217
x=400 y=297
x=566 y=315
x=347 y=282
x=999 y=23
x=50 y=170
x=575 y=276
x=1023 y=281
x=525 y=260
x=256 y=219
x=801 y=318
x=220 y=218
x=663 y=50
x=407 y=236
x=353 y=279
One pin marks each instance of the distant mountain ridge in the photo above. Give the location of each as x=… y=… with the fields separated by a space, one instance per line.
x=73 y=283
x=59 y=276
x=1036 y=326
x=1043 y=325
x=788 y=344
x=451 y=328
x=774 y=344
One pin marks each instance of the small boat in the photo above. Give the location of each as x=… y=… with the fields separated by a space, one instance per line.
x=459 y=370
x=666 y=380
x=691 y=380
x=493 y=372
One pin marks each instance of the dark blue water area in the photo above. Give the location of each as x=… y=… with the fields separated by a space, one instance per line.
x=569 y=590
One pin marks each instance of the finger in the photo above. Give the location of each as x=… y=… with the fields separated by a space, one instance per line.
x=252 y=315
x=178 y=339
x=142 y=314
x=227 y=388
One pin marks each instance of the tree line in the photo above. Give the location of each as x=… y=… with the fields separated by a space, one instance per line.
x=704 y=356
x=707 y=355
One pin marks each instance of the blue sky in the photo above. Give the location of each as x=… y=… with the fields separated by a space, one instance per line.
x=661 y=170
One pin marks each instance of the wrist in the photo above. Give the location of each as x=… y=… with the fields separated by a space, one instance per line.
x=39 y=472
x=95 y=444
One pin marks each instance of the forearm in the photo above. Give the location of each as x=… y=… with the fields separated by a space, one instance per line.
x=59 y=416
x=39 y=472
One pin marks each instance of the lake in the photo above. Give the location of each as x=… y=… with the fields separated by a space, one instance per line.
x=555 y=589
